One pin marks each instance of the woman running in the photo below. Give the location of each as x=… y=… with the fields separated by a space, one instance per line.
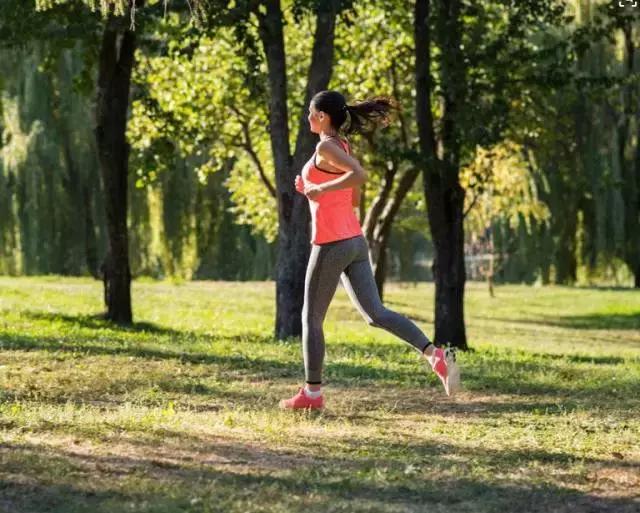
x=331 y=181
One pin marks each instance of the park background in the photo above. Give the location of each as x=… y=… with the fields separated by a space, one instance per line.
x=152 y=256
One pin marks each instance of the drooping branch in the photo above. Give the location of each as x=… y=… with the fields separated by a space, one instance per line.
x=247 y=145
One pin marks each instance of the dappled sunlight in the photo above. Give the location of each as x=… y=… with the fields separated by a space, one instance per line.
x=162 y=414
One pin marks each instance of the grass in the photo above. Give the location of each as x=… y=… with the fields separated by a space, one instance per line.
x=178 y=413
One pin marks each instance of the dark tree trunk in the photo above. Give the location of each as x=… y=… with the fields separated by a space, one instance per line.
x=377 y=239
x=629 y=160
x=443 y=193
x=566 y=261
x=112 y=101
x=293 y=210
x=445 y=218
x=91 y=244
x=380 y=266
x=636 y=267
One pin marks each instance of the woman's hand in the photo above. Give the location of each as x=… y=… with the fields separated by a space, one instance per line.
x=312 y=190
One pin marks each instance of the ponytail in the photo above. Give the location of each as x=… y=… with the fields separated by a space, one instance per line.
x=366 y=115
x=362 y=117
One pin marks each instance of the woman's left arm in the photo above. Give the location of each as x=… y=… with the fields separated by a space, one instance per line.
x=353 y=173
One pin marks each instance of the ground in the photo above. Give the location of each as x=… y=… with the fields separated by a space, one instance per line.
x=179 y=412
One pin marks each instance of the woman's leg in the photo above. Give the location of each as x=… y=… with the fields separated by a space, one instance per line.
x=360 y=284
x=326 y=263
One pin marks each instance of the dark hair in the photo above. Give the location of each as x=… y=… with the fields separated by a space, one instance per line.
x=362 y=117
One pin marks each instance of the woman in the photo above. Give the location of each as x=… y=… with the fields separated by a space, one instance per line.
x=331 y=180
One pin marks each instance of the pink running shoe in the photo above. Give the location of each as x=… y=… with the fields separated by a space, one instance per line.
x=301 y=401
x=443 y=363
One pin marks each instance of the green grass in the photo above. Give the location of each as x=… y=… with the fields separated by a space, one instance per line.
x=178 y=413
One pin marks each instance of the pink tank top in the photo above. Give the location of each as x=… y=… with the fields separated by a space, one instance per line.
x=332 y=215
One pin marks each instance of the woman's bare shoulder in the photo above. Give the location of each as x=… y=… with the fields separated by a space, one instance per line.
x=331 y=147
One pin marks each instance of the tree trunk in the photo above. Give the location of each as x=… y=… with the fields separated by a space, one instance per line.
x=628 y=158
x=566 y=262
x=491 y=269
x=114 y=77
x=443 y=193
x=377 y=205
x=445 y=209
x=293 y=210
x=380 y=266
x=91 y=244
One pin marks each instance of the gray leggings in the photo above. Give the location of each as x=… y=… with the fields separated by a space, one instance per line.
x=349 y=258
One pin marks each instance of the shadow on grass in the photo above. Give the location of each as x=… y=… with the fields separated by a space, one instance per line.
x=182 y=392
x=596 y=321
x=97 y=321
x=543 y=375
x=261 y=366
x=235 y=477
x=256 y=367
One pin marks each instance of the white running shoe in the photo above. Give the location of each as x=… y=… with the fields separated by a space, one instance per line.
x=452 y=385
x=443 y=363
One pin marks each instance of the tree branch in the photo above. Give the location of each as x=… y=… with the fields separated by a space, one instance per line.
x=247 y=145
x=473 y=202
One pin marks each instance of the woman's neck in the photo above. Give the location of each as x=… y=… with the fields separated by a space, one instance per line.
x=328 y=135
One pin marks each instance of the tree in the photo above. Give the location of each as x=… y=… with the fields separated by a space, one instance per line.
x=293 y=215
x=443 y=193
x=293 y=212
x=627 y=151
x=115 y=66
x=502 y=190
x=54 y=191
x=484 y=54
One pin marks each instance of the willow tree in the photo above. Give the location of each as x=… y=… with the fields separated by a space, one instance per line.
x=54 y=192
x=581 y=138
x=50 y=161
x=502 y=189
x=627 y=132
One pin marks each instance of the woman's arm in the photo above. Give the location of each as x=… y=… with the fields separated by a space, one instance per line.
x=355 y=195
x=353 y=173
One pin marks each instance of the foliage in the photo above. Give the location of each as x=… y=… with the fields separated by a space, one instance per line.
x=501 y=187
x=546 y=90
x=185 y=109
